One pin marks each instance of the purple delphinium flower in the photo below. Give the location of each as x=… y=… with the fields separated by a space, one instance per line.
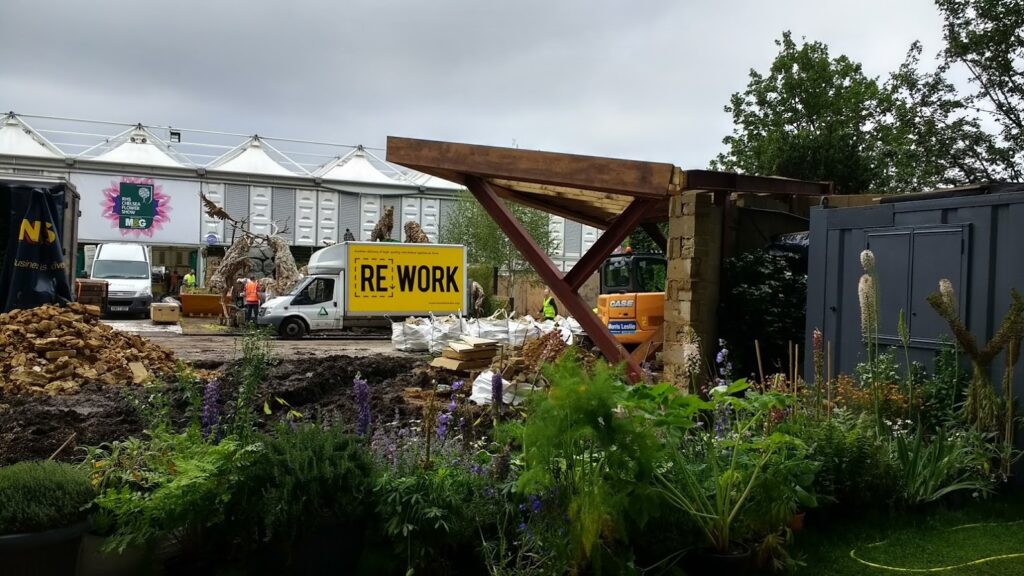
x=442 y=425
x=497 y=391
x=722 y=360
x=210 y=417
x=445 y=417
x=722 y=425
x=535 y=503
x=361 y=389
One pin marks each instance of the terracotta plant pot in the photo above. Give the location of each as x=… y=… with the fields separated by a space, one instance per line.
x=796 y=523
x=738 y=561
x=37 y=553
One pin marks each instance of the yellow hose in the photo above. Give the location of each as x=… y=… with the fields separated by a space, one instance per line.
x=853 y=554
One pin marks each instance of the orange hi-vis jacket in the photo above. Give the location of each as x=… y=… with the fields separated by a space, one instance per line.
x=252 y=295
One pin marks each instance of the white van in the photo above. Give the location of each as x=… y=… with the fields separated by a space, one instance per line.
x=126 y=269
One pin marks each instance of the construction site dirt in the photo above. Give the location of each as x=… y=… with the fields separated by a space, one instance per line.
x=221 y=349
x=37 y=427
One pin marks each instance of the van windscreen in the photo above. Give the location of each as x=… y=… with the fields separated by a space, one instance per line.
x=110 y=269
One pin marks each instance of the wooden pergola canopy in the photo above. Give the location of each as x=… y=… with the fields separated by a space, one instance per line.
x=610 y=194
x=588 y=189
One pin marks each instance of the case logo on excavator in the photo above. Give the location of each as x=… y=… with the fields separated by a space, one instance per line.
x=621 y=304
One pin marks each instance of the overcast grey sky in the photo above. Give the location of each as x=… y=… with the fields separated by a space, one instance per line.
x=642 y=79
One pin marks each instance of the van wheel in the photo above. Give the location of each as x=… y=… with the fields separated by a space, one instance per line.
x=292 y=329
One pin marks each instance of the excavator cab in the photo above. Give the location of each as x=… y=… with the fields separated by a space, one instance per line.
x=632 y=299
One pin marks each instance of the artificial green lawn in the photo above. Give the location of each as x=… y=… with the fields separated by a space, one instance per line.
x=919 y=540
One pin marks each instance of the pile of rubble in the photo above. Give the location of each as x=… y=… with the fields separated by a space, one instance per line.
x=55 y=350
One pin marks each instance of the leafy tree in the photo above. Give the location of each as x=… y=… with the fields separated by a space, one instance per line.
x=816 y=117
x=985 y=37
x=807 y=118
x=925 y=139
x=469 y=224
x=641 y=242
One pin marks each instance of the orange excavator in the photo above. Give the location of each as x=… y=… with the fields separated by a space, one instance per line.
x=632 y=300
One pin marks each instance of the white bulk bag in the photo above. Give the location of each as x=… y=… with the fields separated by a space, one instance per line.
x=412 y=335
x=522 y=330
x=512 y=392
x=546 y=327
x=444 y=330
x=471 y=327
x=495 y=327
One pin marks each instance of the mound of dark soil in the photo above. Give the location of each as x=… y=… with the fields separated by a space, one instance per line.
x=34 y=427
x=321 y=389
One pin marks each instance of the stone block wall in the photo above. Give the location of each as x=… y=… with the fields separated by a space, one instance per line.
x=693 y=278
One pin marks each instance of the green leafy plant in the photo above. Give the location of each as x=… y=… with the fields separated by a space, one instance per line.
x=192 y=391
x=942 y=392
x=854 y=467
x=583 y=442
x=947 y=462
x=166 y=485
x=303 y=478
x=767 y=296
x=256 y=357
x=430 y=511
x=40 y=496
x=726 y=477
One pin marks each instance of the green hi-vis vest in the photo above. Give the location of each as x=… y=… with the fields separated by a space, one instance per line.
x=549 y=307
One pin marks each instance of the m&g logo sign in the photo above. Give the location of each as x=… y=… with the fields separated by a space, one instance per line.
x=136 y=206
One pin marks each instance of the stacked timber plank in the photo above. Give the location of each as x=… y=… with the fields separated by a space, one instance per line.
x=467 y=354
x=91 y=292
x=55 y=350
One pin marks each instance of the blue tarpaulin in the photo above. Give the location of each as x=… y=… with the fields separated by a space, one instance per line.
x=34 y=269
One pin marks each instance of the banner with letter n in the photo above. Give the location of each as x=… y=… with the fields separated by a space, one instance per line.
x=33 y=265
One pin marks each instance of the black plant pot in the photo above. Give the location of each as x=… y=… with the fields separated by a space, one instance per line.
x=49 y=553
x=736 y=562
x=328 y=550
x=956 y=500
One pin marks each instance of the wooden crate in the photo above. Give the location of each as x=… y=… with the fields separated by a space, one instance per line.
x=162 y=313
x=91 y=292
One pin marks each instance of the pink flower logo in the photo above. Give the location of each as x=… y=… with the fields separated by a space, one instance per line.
x=111 y=203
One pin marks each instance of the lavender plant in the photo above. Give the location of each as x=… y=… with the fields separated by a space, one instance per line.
x=210 y=418
x=444 y=419
x=361 y=391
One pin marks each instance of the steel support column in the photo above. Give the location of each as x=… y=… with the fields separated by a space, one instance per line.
x=552 y=276
x=609 y=241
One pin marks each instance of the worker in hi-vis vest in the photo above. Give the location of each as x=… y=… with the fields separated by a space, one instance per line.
x=190 y=279
x=548 y=308
x=252 y=299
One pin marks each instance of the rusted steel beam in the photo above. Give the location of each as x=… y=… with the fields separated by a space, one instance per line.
x=650 y=346
x=657 y=236
x=611 y=239
x=552 y=276
x=630 y=177
x=732 y=182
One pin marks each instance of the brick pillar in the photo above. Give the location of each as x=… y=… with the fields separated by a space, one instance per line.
x=692 y=283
